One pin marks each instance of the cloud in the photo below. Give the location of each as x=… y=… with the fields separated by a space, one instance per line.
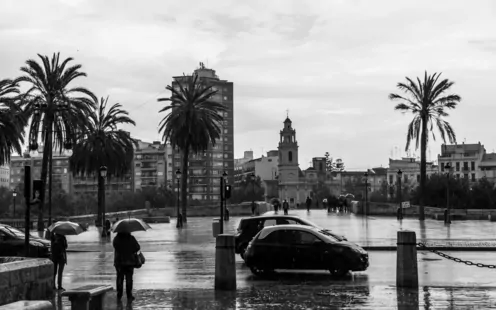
x=332 y=63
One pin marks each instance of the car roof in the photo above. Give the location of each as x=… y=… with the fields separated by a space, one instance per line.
x=258 y=217
x=267 y=230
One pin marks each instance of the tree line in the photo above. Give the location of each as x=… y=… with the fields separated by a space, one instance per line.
x=56 y=114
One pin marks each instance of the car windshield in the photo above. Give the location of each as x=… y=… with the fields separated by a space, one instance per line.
x=328 y=235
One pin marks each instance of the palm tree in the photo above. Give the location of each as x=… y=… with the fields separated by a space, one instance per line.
x=11 y=121
x=104 y=144
x=428 y=102
x=193 y=122
x=57 y=112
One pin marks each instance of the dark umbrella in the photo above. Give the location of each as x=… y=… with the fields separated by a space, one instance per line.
x=130 y=225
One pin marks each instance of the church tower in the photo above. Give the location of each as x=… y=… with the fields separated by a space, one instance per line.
x=288 y=155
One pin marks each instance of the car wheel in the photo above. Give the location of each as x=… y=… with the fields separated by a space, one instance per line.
x=242 y=249
x=339 y=268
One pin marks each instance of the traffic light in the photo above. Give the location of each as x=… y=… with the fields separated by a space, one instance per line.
x=227 y=192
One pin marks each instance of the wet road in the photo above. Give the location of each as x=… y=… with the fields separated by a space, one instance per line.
x=179 y=271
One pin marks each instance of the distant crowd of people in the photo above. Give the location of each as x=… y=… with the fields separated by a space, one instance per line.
x=339 y=204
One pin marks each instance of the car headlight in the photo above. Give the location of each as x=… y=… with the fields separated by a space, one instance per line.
x=36 y=243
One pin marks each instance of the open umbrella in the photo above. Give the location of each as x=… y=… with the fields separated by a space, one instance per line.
x=65 y=228
x=350 y=196
x=130 y=225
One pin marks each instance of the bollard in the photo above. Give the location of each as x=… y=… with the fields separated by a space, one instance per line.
x=215 y=227
x=406 y=260
x=225 y=264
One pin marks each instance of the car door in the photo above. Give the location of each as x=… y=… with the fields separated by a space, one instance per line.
x=309 y=250
x=287 y=251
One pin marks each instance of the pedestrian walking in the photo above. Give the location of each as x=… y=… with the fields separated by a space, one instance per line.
x=276 y=206
x=59 y=258
x=108 y=226
x=308 y=203
x=253 y=207
x=126 y=248
x=285 y=207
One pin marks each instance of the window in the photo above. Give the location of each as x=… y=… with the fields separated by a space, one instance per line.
x=225 y=97
x=270 y=222
x=226 y=131
x=225 y=155
x=290 y=156
x=418 y=178
x=473 y=177
x=226 y=164
x=465 y=176
x=458 y=176
x=472 y=165
x=225 y=113
x=177 y=164
x=303 y=237
x=391 y=179
x=457 y=166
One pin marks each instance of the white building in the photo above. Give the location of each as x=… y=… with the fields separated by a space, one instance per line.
x=465 y=160
x=410 y=168
x=5 y=176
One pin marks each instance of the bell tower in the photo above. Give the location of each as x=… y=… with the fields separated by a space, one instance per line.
x=288 y=155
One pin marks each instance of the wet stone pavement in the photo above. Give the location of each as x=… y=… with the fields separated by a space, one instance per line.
x=179 y=272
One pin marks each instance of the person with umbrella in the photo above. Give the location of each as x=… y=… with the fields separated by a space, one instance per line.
x=126 y=256
x=59 y=247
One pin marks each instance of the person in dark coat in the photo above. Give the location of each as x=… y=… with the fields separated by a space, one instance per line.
x=59 y=258
x=125 y=246
x=285 y=207
x=308 y=203
x=108 y=226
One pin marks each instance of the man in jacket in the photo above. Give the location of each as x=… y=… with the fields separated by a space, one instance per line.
x=126 y=247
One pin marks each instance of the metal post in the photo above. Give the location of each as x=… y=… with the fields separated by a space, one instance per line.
x=178 y=222
x=50 y=176
x=27 y=196
x=221 y=205
x=14 y=205
x=447 y=219
x=400 y=194
x=102 y=197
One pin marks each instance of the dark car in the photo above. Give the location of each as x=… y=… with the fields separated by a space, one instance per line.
x=12 y=243
x=303 y=247
x=249 y=227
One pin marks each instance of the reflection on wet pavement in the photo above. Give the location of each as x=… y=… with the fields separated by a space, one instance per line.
x=179 y=272
x=305 y=297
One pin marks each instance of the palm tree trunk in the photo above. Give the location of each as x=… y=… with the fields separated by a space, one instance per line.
x=44 y=174
x=423 y=168
x=184 y=185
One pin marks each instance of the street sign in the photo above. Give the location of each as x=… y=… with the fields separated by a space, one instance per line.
x=405 y=204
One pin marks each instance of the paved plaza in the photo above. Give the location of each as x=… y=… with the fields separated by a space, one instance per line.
x=179 y=272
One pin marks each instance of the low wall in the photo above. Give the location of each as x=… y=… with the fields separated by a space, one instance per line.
x=25 y=279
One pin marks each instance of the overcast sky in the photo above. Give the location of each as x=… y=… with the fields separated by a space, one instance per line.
x=331 y=63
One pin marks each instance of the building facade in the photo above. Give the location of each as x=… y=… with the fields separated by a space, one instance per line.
x=410 y=168
x=149 y=165
x=488 y=167
x=206 y=169
x=292 y=186
x=465 y=160
x=240 y=169
x=5 y=176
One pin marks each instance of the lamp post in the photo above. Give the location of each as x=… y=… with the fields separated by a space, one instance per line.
x=222 y=198
x=400 y=211
x=40 y=112
x=447 y=217
x=103 y=175
x=179 y=222
x=366 y=175
x=14 y=194
x=252 y=179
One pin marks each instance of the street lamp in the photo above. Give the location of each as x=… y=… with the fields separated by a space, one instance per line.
x=400 y=211
x=447 y=217
x=222 y=199
x=14 y=194
x=366 y=175
x=101 y=196
x=179 y=222
x=252 y=179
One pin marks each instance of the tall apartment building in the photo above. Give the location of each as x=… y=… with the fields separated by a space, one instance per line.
x=149 y=165
x=60 y=171
x=465 y=160
x=205 y=170
x=5 y=176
